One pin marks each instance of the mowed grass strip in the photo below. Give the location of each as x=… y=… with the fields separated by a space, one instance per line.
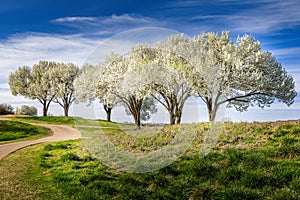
x=73 y=121
x=60 y=120
x=11 y=131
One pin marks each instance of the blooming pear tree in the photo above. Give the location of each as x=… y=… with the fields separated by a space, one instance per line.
x=19 y=81
x=239 y=74
x=34 y=83
x=158 y=72
x=110 y=86
x=62 y=78
x=86 y=85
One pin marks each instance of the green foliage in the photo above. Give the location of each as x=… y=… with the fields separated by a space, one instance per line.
x=15 y=131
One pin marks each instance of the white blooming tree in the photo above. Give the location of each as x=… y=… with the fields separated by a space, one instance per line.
x=86 y=85
x=19 y=81
x=62 y=80
x=34 y=83
x=159 y=72
x=239 y=74
x=110 y=86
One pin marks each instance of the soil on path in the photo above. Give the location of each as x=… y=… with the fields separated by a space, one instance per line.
x=59 y=133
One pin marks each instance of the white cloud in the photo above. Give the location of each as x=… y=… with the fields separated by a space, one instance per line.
x=125 y=18
x=110 y=24
x=74 y=19
x=266 y=16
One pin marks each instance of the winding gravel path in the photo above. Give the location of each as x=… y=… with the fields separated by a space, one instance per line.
x=60 y=133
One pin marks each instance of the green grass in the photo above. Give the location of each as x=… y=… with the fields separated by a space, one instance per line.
x=74 y=121
x=22 y=177
x=263 y=164
x=47 y=120
x=11 y=131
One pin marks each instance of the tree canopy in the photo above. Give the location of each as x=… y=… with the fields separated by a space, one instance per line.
x=239 y=74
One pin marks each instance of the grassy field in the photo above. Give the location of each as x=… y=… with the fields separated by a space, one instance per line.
x=250 y=161
x=11 y=131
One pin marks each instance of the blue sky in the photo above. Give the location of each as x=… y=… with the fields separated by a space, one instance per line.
x=69 y=31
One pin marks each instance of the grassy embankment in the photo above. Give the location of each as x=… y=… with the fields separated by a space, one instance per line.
x=11 y=131
x=250 y=161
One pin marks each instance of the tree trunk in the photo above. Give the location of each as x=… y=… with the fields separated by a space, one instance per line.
x=212 y=115
x=178 y=117
x=134 y=107
x=137 y=121
x=172 y=118
x=45 y=109
x=212 y=111
x=66 y=110
x=108 y=112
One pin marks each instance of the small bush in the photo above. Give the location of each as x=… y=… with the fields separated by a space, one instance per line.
x=6 y=109
x=27 y=110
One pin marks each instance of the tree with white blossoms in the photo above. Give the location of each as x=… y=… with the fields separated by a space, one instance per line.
x=19 y=81
x=62 y=80
x=110 y=87
x=34 y=83
x=86 y=85
x=240 y=74
x=159 y=72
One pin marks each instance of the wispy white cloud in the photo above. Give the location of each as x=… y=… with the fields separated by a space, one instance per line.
x=106 y=25
x=267 y=16
x=74 y=19
x=125 y=18
x=271 y=17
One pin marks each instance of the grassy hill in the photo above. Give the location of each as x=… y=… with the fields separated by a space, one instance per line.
x=11 y=131
x=249 y=161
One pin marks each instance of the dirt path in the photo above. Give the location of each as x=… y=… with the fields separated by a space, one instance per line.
x=60 y=133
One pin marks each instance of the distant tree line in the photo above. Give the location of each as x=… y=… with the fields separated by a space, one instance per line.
x=6 y=109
